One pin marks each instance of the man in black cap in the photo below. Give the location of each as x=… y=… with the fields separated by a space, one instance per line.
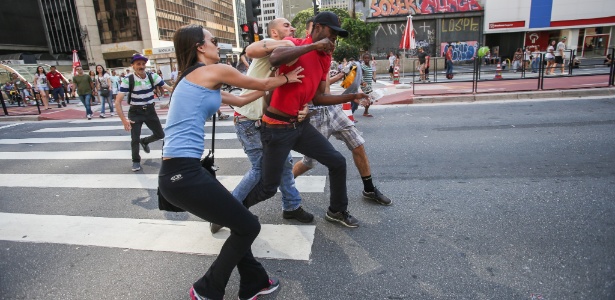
x=140 y=89
x=283 y=130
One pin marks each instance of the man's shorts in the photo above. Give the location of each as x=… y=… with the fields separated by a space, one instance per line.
x=332 y=121
x=57 y=93
x=559 y=60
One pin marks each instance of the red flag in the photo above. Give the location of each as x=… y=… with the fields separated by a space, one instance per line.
x=408 y=39
x=76 y=62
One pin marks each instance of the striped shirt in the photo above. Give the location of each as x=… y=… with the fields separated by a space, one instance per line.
x=368 y=73
x=143 y=91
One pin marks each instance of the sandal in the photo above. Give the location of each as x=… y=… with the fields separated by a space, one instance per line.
x=367 y=115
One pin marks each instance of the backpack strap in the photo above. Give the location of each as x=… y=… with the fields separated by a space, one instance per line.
x=131 y=86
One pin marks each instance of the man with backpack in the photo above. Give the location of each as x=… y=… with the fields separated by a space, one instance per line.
x=139 y=86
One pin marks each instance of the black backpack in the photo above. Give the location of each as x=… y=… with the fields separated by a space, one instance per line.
x=131 y=84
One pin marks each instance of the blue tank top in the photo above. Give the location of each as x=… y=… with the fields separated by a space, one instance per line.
x=191 y=105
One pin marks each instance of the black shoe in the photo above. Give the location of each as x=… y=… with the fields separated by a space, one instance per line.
x=59 y=105
x=63 y=103
x=377 y=197
x=342 y=217
x=274 y=284
x=215 y=227
x=299 y=214
x=144 y=145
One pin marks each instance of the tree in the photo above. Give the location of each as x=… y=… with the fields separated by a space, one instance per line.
x=300 y=18
x=345 y=50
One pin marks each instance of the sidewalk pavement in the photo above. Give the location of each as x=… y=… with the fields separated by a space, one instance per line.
x=439 y=92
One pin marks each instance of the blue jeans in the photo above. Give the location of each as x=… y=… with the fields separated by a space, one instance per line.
x=250 y=137
x=449 y=67
x=535 y=65
x=104 y=99
x=85 y=99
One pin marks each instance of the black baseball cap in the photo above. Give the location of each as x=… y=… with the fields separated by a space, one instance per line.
x=331 y=20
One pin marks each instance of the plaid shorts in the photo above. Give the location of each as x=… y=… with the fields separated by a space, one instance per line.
x=331 y=120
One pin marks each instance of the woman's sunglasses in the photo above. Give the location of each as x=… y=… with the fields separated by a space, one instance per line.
x=213 y=40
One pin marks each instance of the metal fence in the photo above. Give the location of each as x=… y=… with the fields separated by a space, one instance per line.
x=474 y=74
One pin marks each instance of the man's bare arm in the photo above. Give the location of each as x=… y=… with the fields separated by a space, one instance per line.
x=263 y=48
x=285 y=55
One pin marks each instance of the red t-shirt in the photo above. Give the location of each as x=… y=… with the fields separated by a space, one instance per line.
x=291 y=97
x=55 y=80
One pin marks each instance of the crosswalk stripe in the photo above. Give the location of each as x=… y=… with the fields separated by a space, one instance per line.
x=11 y=125
x=106 y=120
x=111 y=127
x=291 y=242
x=111 y=154
x=93 y=139
x=304 y=184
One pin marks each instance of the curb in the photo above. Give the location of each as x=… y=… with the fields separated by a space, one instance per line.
x=575 y=93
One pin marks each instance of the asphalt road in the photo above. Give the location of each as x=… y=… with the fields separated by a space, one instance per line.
x=491 y=201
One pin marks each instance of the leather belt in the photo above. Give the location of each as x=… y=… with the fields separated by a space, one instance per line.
x=284 y=126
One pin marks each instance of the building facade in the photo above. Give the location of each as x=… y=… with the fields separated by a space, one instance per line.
x=588 y=27
x=436 y=23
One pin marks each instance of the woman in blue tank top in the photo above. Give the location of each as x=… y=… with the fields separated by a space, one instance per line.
x=182 y=180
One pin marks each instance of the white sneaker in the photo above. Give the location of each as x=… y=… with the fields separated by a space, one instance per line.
x=89 y=117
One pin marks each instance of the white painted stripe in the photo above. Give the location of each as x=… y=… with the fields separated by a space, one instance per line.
x=11 y=125
x=106 y=120
x=111 y=127
x=94 y=139
x=112 y=154
x=274 y=241
x=304 y=184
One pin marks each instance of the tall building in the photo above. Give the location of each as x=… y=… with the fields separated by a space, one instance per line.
x=341 y=4
x=270 y=9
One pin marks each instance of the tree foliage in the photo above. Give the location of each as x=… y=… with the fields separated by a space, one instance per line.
x=345 y=50
x=300 y=18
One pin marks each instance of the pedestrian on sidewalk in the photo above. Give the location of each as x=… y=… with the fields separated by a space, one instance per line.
x=85 y=85
x=536 y=60
x=560 y=55
x=187 y=185
x=421 y=64
x=115 y=86
x=55 y=81
x=550 y=58
x=94 y=98
x=448 y=61
x=392 y=59
x=139 y=87
x=517 y=60
x=40 y=83
x=103 y=86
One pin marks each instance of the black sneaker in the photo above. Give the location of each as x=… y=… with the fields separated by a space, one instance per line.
x=215 y=227
x=195 y=296
x=377 y=197
x=63 y=103
x=274 y=284
x=299 y=214
x=342 y=217
x=59 y=105
x=145 y=146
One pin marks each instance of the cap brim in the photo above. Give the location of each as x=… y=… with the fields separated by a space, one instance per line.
x=340 y=32
x=143 y=59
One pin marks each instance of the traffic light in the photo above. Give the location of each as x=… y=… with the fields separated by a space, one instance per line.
x=316 y=9
x=245 y=32
x=253 y=10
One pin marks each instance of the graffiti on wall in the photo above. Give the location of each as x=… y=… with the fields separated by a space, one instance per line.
x=390 y=34
x=461 y=50
x=385 y=8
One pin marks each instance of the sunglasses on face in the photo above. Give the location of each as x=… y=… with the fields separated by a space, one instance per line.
x=213 y=40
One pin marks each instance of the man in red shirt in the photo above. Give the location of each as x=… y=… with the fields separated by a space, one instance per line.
x=55 y=80
x=282 y=130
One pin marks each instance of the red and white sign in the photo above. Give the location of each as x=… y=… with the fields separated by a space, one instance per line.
x=506 y=25
x=537 y=39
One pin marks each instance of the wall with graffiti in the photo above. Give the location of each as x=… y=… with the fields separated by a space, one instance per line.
x=462 y=50
x=387 y=36
x=387 y=8
x=431 y=35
